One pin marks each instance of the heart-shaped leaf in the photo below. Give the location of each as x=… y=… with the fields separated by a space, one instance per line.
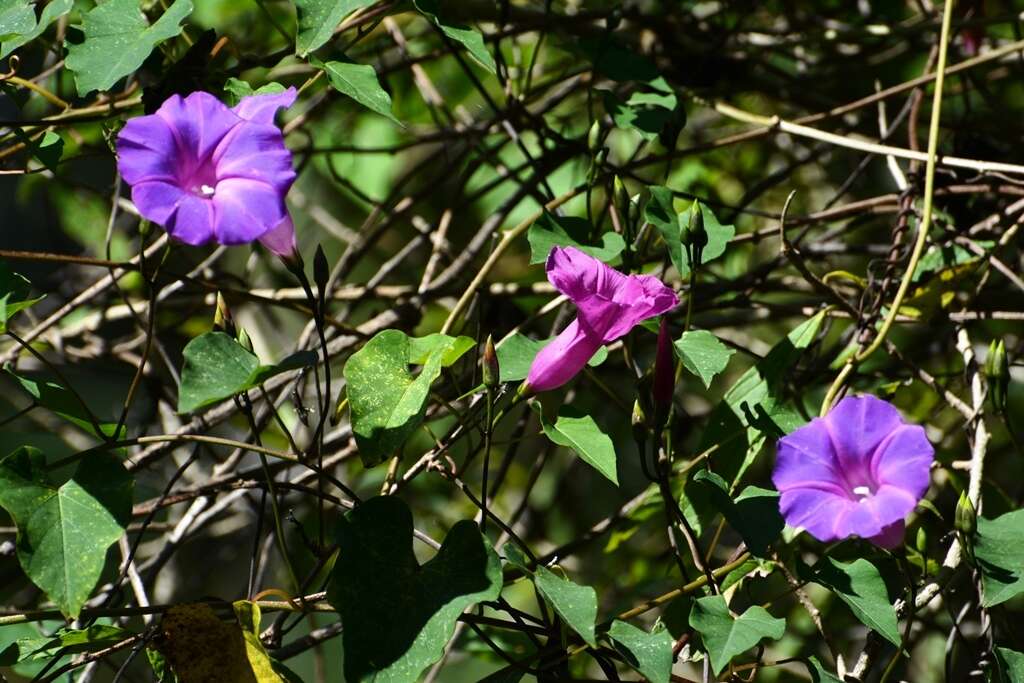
x=397 y=615
x=726 y=636
x=575 y=604
x=860 y=585
x=999 y=550
x=702 y=354
x=578 y=431
x=648 y=653
x=550 y=231
x=319 y=18
x=360 y=82
x=64 y=531
x=386 y=400
x=217 y=367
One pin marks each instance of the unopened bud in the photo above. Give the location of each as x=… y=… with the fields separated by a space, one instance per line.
x=696 y=234
x=244 y=341
x=144 y=227
x=491 y=369
x=997 y=372
x=664 y=374
x=595 y=167
x=321 y=271
x=921 y=542
x=965 y=520
x=222 y=316
x=620 y=198
x=594 y=138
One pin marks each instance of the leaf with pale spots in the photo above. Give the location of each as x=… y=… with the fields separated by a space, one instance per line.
x=64 y=531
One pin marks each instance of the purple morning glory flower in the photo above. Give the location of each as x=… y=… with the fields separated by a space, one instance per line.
x=610 y=304
x=858 y=471
x=207 y=173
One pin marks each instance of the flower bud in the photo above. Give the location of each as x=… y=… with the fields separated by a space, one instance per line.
x=491 y=370
x=921 y=543
x=244 y=340
x=321 y=271
x=639 y=421
x=222 y=316
x=997 y=372
x=965 y=520
x=620 y=198
x=696 y=234
x=594 y=138
x=664 y=374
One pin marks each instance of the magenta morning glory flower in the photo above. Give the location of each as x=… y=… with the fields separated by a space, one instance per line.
x=858 y=471
x=610 y=304
x=207 y=173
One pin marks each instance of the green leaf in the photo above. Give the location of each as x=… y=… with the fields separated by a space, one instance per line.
x=360 y=82
x=319 y=18
x=860 y=585
x=64 y=531
x=661 y=213
x=818 y=672
x=72 y=641
x=235 y=89
x=218 y=367
x=117 y=41
x=51 y=12
x=752 y=410
x=654 y=114
x=468 y=37
x=64 y=403
x=724 y=636
x=575 y=604
x=550 y=231
x=1011 y=665
x=48 y=149
x=578 y=431
x=702 y=354
x=16 y=18
x=397 y=616
x=754 y=514
x=386 y=401
x=451 y=348
x=648 y=653
x=14 y=294
x=999 y=551
x=516 y=354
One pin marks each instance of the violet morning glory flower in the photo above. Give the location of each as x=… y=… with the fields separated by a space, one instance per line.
x=858 y=471
x=207 y=173
x=610 y=304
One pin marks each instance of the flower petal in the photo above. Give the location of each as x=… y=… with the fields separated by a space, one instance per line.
x=199 y=123
x=857 y=425
x=890 y=537
x=559 y=361
x=815 y=511
x=806 y=458
x=147 y=151
x=871 y=515
x=280 y=239
x=578 y=275
x=262 y=108
x=246 y=210
x=904 y=459
x=192 y=220
x=255 y=152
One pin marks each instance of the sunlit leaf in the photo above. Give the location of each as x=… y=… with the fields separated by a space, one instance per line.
x=386 y=400
x=575 y=604
x=578 y=431
x=117 y=40
x=726 y=636
x=64 y=530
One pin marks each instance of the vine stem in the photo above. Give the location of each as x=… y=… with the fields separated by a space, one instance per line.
x=926 y=215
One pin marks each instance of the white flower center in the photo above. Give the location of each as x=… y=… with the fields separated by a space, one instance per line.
x=207 y=190
x=862 y=491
